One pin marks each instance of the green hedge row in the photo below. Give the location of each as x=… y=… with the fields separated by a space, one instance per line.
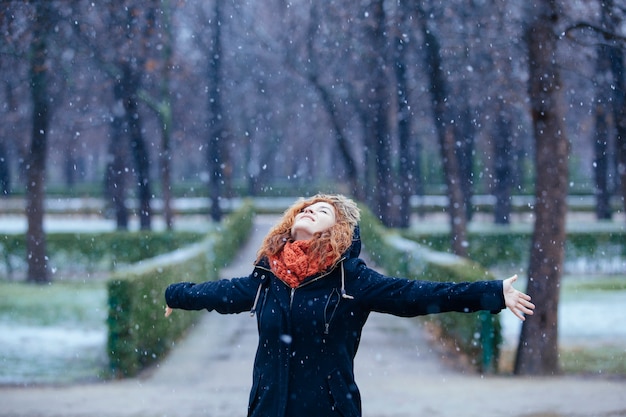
x=497 y=247
x=478 y=335
x=138 y=333
x=94 y=251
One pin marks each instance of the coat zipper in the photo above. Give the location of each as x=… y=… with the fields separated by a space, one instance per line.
x=293 y=290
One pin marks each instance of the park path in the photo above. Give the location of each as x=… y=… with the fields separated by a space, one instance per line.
x=400 y=372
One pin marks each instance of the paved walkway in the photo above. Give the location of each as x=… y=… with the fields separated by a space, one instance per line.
x=399 y=372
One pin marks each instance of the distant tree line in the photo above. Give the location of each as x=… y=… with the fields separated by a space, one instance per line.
x=376 y=99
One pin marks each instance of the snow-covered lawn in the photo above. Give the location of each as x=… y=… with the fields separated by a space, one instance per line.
x=587 y=317
x=52 y=333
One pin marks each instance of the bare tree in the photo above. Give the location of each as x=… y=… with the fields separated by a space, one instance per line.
x=313 y=74
x=503 y=137
x=129 y=32
x=378 y=99
x=610 y=103
x=36 y=166
x=618 y=68
x=603 y=130
x=503 y=164
x=162 y=106
x=445 y=133
x=537 y=353
x=5 y=172
x=115 y=176
x=217 y=130
x=407 y=159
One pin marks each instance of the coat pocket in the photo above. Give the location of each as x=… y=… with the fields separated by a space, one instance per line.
x=345 y=395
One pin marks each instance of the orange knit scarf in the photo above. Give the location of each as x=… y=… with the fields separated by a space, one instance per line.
x=293 y=264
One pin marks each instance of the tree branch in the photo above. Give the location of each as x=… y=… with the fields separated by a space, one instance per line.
x=606 y=34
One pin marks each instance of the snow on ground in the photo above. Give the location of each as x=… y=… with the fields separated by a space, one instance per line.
x=12 y=224
x=43 y=354
x=588 y=318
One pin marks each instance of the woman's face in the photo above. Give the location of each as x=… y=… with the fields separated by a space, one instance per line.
x=313 y=219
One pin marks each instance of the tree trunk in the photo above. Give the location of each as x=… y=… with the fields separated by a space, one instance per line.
x=537 y=352
x=5 y=172
x=611 y=55
x=503 y=167
x=5 y=166
x=619 y=115
x=115 y=179
x=604 y=127
x=464 y=149
x=377 y=126
x=456 y=206
x=164 y=113
x=215 y=152
x=343 y=143
x=407 y=158
x=165 y=165
x=445 y=134
x=312 y=75
x=36 y=167
x=601 y=157
x=130 y=82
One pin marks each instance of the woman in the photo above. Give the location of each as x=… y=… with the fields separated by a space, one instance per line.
x=312 y=295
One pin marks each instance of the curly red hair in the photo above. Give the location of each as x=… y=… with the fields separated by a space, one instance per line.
x=328 y=245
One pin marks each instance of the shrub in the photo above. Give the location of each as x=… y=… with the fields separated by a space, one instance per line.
x=478 y=335
x=94 y=251
x=138 y=333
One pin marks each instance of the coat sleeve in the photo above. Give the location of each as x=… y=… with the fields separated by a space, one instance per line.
x=408 y=298
x=225 y=296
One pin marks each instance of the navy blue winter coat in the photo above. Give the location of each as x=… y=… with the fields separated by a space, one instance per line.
x=309 y=336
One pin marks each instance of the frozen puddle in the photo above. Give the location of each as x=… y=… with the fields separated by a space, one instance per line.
x=37 y=354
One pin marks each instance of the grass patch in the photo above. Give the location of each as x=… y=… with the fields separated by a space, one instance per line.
x=602 y=360
x=595 y=283
x=54 y=333
x=598 y=361
x=67 y=303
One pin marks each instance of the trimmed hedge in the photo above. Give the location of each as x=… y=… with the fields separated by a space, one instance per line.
x=139 y=335
x=477 y=334
x=92 y=251
x=506 y=246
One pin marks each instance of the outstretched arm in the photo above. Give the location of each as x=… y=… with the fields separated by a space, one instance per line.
x=516 y=301
x=226 y=296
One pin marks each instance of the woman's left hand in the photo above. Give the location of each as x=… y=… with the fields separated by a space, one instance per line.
x=516 y=301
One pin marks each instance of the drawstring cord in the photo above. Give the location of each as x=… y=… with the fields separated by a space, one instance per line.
x=256 y=300
x=344 y=294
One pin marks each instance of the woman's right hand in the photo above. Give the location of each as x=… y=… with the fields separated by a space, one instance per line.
x=168 y=311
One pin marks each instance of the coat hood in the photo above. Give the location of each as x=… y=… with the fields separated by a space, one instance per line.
x=355 y=249
x=353 y=252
